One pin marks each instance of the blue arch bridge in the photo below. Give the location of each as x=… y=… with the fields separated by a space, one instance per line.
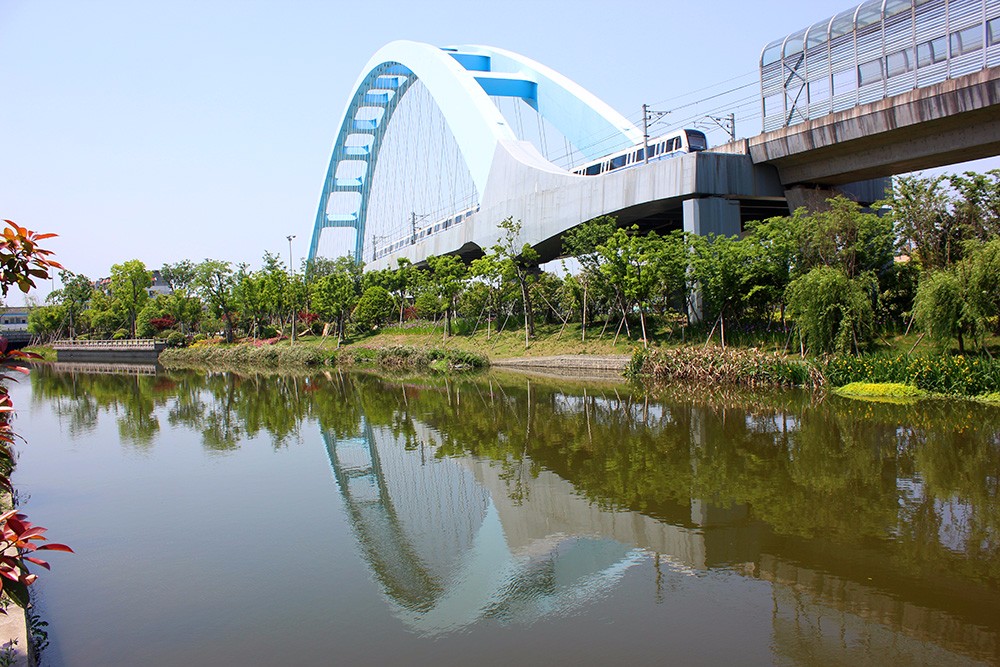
x=437 y=145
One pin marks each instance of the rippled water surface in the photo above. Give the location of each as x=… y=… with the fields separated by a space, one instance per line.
x=350 y=519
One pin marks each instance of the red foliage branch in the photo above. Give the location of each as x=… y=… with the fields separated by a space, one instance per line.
x=21 y=261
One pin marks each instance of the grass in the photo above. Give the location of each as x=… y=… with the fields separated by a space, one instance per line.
x=46 y=353
x=550 y=339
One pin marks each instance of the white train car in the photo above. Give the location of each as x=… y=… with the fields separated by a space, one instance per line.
x=661 y=148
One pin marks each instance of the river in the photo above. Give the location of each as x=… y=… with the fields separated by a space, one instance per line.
x=347 y=518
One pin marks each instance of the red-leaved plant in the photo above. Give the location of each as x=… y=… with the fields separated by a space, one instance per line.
x=21 y=261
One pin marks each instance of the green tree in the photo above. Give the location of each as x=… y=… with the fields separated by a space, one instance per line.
x=920 y=210
x=130 y=282
x=488 y=272
x=941 y=308
x=448 y=275
x=635 y=265
x=374 y=307
x=977 y=204
x=249 y=297
x=984 y=284
x=519 y=264
x=75 y=295
x=581 y=243
x=46 y=320
x=843 y=236
x=215 y=282
x=833 y=312
x=962 y=300
x=335 y=294
x=182 y=303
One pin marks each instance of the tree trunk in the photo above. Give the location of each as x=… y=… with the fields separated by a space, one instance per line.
x=529 y=321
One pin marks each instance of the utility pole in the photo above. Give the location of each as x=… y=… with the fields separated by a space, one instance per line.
x=414 y=218
x=727 y=123
x=648 y=116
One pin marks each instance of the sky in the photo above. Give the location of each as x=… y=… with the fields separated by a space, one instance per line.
x=195 y=129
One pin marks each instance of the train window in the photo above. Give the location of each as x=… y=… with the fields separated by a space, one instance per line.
x=845 y=81
x=592 y=170
x=661 y=147
x=696 y=141
x=640 y=155
x=993 y=31
x=870 y=72
x=653 y=150
x=819 y=89
x=618 y=161
x=931 y=52
x=966 y=41
x=899 y=62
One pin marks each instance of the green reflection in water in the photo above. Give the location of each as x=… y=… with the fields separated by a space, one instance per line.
x=889 y=512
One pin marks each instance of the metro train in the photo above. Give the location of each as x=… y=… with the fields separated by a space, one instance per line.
x=661 y=148
x=423 y=231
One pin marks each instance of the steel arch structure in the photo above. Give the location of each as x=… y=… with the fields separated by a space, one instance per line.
x=460 y=80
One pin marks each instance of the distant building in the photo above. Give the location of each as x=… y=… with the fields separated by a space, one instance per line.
x=14 y=323
x=158 y=286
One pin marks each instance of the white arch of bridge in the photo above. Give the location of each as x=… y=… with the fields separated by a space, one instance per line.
x=460 y=80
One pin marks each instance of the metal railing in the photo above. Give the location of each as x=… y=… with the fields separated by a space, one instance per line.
x=134 y=344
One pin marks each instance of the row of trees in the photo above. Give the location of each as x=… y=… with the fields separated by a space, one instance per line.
x=842 y=276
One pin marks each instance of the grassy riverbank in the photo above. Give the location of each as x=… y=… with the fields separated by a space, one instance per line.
x=905 y=361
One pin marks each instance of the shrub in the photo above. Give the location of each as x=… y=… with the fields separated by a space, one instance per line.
x=428 y=306
x=959 y=374
x=161 y=323
x=176 y=339
x=715 y=365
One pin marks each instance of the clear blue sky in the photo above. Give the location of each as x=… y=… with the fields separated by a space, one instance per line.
x=190 y=129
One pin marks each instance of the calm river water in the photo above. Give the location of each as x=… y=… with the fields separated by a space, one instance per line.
x=344 y=518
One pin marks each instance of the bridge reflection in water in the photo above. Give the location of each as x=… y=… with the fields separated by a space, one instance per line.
x=449 y=546
x=453 y=540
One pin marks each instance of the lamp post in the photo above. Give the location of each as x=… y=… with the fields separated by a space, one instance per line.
x=291 y=294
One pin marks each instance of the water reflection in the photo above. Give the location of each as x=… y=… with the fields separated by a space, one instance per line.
x=876 y=527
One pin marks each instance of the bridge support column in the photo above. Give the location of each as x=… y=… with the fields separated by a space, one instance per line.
x=712 y=215
x=709 y=215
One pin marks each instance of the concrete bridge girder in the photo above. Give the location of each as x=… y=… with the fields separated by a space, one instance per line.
x=705 y=188
x=952 y=121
